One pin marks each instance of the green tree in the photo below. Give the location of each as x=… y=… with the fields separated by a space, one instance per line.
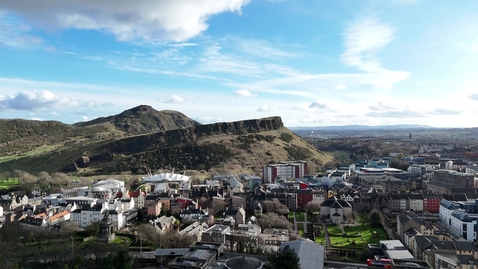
x=285 y=258
x=93 y=228
x=375 y=219
x=362 y=219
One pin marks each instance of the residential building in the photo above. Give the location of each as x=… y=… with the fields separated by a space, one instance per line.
x=216 y=234
x=154 y=209
x=164 y=223
x=139 y=198
x=195 y=230
x=454 y=177
x=303 y=197
x=238 y=214
x=286 y=170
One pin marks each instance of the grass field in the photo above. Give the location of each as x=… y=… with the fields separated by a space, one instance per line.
x=356 y=237
x=6 y=184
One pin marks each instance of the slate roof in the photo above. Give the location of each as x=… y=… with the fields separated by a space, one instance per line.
x=465 y=246
x=466 y=259
x=311 y=255
x=171 y=251
x=448 y=204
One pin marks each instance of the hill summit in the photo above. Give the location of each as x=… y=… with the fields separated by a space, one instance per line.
x=144 y=119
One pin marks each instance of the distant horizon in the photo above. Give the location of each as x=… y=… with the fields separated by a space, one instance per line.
x=313 y=63
x=412 y=126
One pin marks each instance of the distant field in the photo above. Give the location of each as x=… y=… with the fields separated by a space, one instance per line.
x=4 y=184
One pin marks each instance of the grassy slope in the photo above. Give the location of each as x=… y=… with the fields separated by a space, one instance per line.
x=249 y=155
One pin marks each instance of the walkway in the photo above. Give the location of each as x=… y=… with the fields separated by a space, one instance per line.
x=326 y=235
x=304 y=223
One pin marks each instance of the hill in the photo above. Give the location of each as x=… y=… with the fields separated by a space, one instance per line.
x=20 y=137
x=141 y=120
x=242 y=146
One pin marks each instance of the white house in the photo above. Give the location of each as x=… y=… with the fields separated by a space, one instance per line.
x=463 y=225
x=117 y=218
x=85 y=217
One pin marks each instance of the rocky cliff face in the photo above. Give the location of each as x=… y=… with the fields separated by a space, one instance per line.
x=189 y=135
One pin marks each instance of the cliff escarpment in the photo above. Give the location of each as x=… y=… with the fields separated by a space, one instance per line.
x=187 y=136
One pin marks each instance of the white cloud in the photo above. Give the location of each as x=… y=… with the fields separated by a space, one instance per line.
x=244 y=93
x=474 y=96
x=30 y=101
x=175 y=99
x=266 y=108
x=183 y=44
x=381 y=107
x=314 y=106
x=176 y=20
x=341 y=87
x=445 y=112
x=362 y=39
x=85 y=118
x=318 y=105
x=208 y=119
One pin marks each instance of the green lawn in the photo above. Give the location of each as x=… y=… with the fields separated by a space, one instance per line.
x=291 y=217
x=299 y=216
x=6 y=184
x=356 y=236
x=300 y=229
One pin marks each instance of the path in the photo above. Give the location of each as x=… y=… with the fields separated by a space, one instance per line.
x=304 y=223
x=326 y=235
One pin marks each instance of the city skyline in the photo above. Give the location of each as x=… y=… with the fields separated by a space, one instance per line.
x=313 y=63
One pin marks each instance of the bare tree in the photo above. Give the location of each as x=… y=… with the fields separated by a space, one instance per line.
x=312 y=206
x=275 y=206
x=272 y=220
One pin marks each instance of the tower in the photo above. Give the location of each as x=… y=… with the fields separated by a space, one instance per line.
x=106 y=233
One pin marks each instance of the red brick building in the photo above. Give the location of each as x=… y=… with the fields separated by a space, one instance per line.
x=303 y=197
x=431 y=203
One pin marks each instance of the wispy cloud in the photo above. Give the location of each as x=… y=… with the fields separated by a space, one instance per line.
x=15 y=33
x=381 y=107
x=362 y=39
x=261 y=48
x=266 y=108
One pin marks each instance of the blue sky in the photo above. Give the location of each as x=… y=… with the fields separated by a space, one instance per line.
x=314 y=63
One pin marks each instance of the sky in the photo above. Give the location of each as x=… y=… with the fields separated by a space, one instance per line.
x=313 y=63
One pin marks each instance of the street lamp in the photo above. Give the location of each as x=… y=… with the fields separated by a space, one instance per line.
x=71 y=245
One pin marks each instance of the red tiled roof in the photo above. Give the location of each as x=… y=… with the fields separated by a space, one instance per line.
x=59 y=215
